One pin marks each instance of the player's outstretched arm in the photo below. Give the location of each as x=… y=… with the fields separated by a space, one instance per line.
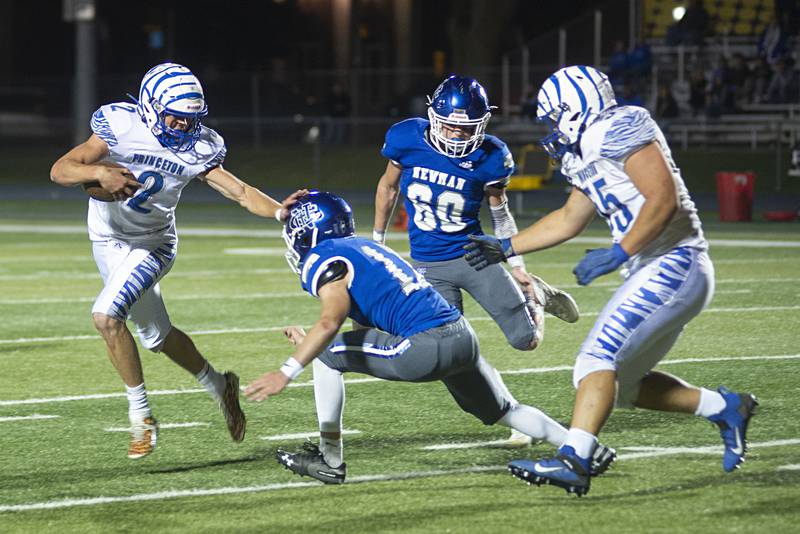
x=250 y=198
x=335 y=301
x=649 y=172
x=78 y=166
x=386 y=196
x=554 y=228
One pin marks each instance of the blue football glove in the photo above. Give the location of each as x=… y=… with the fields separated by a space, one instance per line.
x=484 y=250
x=598 y=262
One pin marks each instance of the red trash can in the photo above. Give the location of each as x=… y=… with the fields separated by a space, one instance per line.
x=735 y=196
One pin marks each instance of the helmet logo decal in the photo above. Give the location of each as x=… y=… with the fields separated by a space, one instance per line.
x=304 y=217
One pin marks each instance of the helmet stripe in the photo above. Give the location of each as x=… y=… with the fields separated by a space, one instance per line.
x=554 y=79
x=166 y=77
x=578 y=90
x=184 y=96
x=585 y=71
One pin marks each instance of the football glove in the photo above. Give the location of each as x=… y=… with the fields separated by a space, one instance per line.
x=484 y=250
x=598 y=262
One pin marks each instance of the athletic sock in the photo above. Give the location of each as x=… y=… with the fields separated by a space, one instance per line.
x=138 y=407
x=212 y=381
x=331 y=450
x=711 y=403
x=535 y=423
x=582 y=442
x=329 y=398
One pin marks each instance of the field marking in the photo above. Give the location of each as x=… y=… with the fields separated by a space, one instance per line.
x=367 y=380
x=790 y=467
x=167 y=298
x=262 y=329
x=27 y=417
x=385 y=477
x=467 y=445
x=304 y=435
x=160 y=425
x=242 y=232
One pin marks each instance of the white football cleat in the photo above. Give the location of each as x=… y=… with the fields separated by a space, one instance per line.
x=557 y=303
x=517 y=440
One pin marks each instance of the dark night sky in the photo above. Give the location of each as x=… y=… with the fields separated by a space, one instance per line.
x=239 y=35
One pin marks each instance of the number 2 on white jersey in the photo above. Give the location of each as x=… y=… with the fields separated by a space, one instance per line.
x=449 y=206
x=153 y=183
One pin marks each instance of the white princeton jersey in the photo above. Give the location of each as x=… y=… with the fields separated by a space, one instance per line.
x=598 y=170
x=163 y=174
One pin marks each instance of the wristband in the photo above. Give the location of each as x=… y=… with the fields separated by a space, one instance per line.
x=508 y=250
x=278 y=213
x=291 y=368
x=517 y=261
x=379 y=237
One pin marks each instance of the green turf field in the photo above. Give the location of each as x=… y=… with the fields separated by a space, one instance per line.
x=64 y=469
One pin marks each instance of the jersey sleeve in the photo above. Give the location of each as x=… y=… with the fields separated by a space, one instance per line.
x=219 y=151
x=316 y=265
x=500 y=165
x=627 y=133
x=101 y=127
x=397 y=140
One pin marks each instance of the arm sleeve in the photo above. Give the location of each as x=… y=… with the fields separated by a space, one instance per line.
x=627 y=134
x=504 y=227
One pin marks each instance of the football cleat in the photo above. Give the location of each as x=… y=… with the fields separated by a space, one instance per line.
x=234 y=416
x=310 y=462
x=564 y=471
x=558 y=303
x=732 y=423
x=517 y=440
x=602 y=458
x=144 y=435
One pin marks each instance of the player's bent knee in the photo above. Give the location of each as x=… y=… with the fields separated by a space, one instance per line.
x=586 y=364
x=107 y=325
x=529 y=341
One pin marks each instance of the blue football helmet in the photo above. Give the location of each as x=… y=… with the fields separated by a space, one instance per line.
x=315 y=217
x=172 y=89
x=458 y=103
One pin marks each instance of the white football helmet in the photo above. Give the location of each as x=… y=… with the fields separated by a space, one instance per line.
x=568 y=102
x=172 y=89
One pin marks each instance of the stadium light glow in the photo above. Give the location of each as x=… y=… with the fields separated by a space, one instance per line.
x=678 y=12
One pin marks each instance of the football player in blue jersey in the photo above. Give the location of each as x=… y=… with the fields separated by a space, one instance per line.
x=446 y=167
x=620 y=166
x=155 y=146
x=411 y=334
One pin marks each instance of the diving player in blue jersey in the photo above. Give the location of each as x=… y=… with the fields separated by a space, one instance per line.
x=411 y=334
x=446 y=167
x=620 y=166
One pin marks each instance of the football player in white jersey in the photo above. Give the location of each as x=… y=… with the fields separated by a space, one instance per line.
x=159 y=144
x=619 y=165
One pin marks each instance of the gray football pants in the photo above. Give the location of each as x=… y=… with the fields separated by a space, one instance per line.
x=493 y=288
x=449 y=353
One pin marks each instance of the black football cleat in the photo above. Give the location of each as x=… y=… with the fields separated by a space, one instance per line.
x=310 y=462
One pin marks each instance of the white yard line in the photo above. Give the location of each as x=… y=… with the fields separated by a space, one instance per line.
x=27 y=417
x=367 y=380
x=160 y=425
x=25 y=340
x=239 y=232
x=168 y=298
x=410 y=475
x=303 y=435
x=790 y=467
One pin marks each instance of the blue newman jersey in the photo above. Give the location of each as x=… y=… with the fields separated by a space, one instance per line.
x=385 y=291
x=443 y=194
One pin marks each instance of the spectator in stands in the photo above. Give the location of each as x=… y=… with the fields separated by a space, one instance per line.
x=762 y=74
x=741 y=80
x=666 y=105
x=618 y=64
x=693 y=27
x=697 y=90
x=784 y=87
x=721 y=91
x=640 y=60
x=774 y=42
x=338 y=113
